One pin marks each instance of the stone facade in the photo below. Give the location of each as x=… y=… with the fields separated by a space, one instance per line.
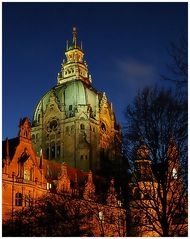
x=73 y=122
x=23 y=180
x=27 y=178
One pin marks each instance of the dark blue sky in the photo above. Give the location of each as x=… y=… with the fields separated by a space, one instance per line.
x=125 y=46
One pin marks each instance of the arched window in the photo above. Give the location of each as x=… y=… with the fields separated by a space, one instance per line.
x=38 y=118
x=28 y=200
x=82 y=127
x=21 y=169
x=53 y=151
x=25 y=133
x=18 y=199
x=103 y=127
x=58 y=151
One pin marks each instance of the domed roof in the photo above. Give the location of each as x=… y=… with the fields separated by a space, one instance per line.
x=72 y=93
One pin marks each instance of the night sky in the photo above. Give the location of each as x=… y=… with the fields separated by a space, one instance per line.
x=125 y=46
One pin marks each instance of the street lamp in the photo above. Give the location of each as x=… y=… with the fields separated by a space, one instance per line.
x=119 y=203
x=101 y=217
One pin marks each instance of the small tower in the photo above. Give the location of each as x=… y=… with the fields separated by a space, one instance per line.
x=25 y=130
x=89 y=189
x=143 y=163
x=64 y=183
x=74 y=68
x=112 y=194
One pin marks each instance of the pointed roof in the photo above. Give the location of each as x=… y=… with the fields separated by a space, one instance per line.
x=74 y=41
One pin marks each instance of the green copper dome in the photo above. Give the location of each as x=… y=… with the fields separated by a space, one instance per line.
x=68 y=95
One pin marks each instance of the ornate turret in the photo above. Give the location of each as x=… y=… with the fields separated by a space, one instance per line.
x=74 y=68
x=89 y=189
x=25 y=130
x=64 y=183
x=112 y=194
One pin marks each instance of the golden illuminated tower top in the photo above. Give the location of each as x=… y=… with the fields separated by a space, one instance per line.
x=74 y=68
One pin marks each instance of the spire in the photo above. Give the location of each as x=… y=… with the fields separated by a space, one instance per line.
x=41 y=157
x=74 y=37
x=25 y=130
x=81 y=45
x=67 y=45
x=7 y=158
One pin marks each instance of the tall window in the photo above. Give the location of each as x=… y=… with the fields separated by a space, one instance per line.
x=58 y=151
x=18 y=199
x=21 y=169
x=28 y=201
x=82 y=127
x=53 y=151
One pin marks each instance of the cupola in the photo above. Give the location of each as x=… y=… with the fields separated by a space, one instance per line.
x=74 y=67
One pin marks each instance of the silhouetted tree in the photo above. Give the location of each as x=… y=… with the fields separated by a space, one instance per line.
x=156 y=146
x=53 y=215
x=178 y=66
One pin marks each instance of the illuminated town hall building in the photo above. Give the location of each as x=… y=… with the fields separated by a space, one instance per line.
x=73 y=122
x=61 y=152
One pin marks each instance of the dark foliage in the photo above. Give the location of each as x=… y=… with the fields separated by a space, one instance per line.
x=158 y=120
x=54 y=215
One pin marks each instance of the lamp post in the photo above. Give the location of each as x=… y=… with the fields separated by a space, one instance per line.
x=101 y=218
x=119 y=203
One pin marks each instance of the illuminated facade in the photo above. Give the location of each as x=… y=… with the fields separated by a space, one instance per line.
x=23 y=180
x=27 y=178
x=73 y=122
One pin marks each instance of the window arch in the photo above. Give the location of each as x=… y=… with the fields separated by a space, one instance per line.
x=18 y=199
x=82 y=127
x=58 y=150
x=31 y=174
x=21 y=169
x=53 y=151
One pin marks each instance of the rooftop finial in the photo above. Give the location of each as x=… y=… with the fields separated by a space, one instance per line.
x=75 y=36
x=81 y=45
x=67 y=45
